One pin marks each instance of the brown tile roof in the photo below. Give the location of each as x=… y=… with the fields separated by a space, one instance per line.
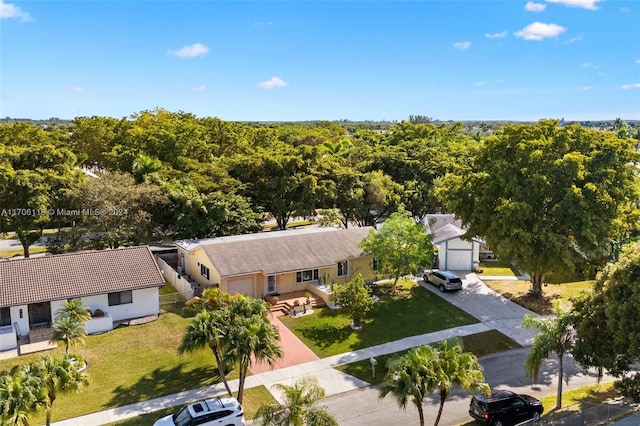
x=63 y=276
x=283 y=251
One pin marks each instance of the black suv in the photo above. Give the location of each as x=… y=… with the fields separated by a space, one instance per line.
x=504 y=407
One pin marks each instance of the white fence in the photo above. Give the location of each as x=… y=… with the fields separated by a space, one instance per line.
x=172 y=276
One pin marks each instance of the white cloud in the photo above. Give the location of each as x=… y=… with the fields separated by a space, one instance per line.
x=500 y=80
x=501 y=34
x=586 y=88
x=590 y=65
x=481 y=83
x=200 y=88
x=462 y=45
x=11 y=11
x=574 y=39
x=196 y=49
x=76 y=89
x=274 y=82
x=625 y=9
x=262 y=24
x=585 y=4
x=630 y=86
x=637 y=61
x=534 y=7
x=539 y=31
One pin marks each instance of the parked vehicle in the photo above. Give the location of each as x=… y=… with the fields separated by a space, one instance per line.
x=504 y=408
x=218 y=411
x=445 y=280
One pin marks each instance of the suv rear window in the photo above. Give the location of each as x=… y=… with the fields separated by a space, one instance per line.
x=455 y=280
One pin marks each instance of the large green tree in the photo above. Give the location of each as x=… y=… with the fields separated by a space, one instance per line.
x=21 y=396
x=608 y=332
x=545 y=196
x=401 y=246
x=555 y=335
x=299 y=406
x=427 y=369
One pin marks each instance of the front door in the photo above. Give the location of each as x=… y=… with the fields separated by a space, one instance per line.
x=271 y=284
x=40 y=314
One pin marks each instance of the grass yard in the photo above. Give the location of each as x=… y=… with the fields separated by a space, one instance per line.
x=131 y=364
x=411 y=311
x=478 y=344
x=32 y=250
x=498 y=268
x=518 y=292
x=253 y=399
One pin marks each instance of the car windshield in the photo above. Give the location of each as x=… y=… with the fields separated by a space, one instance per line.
x=183 y=417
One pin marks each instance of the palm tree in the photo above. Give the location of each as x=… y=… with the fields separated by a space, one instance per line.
x=250 y=334
x=208 y=329
x=462 y=369
x=76 y=309
x=58 y=375
x=299 y=406
x=70 y=330
x=556 y=334
x=425 y=369
x=410 y=378
x=20 y=396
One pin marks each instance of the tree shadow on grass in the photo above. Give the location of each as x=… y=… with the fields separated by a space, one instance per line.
x=163 y=381
x=326 y=335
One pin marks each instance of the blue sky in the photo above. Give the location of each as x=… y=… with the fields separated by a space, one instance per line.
x=314 y=60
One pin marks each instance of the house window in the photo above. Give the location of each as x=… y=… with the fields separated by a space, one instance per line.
x=204 y=271
x=342 y=269
x=120 y=298
x=5 y=316
x=306 y=275
x=376 y=264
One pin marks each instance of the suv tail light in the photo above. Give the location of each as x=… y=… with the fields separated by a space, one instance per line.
x=486 y=416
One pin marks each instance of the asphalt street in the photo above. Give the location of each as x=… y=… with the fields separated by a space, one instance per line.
x=504 y=370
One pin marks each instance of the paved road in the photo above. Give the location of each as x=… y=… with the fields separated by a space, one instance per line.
x=12 y=244
x=503 y=370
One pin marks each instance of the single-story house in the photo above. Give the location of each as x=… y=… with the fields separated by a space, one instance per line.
x=275 y=262
x=123 y=283
x=453 y=252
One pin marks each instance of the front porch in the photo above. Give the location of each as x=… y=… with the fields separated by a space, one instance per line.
x=286 y=303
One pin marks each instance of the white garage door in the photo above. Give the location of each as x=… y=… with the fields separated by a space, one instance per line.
x=459 y=260
x=241 y=286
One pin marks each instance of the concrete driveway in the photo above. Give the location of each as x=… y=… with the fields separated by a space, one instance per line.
x=487 y=306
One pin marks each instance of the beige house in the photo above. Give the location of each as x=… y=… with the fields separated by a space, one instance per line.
x=276 y=262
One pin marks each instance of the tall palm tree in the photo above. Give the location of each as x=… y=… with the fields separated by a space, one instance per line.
x=454 y=367
x=20 y=397
x=250 y=334
x=70 y=330
x=426 y=369
x=208 y=329
x=58 y=375
x=299 y=407
x=410 y=378
x=76 y=309
x=557 y=335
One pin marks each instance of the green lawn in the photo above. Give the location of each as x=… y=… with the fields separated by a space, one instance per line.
x=253 y=399
x=478 y=344
x=32 y=250
x=131 y=364
x=498 y=268
x=411 y=311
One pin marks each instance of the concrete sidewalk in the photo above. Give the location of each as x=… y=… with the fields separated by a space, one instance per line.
x=494 y=312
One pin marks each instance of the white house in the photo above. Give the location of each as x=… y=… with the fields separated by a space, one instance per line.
x=123 y=283
x=453 y=252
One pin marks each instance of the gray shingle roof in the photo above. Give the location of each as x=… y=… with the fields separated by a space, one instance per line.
x=283 y=251
x=63 y=276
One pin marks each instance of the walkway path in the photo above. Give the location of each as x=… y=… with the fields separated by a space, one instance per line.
x=494 y=312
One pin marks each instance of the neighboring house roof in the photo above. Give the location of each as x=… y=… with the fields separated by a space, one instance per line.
x=444 y=227
x=281 y=251
x=64 y=276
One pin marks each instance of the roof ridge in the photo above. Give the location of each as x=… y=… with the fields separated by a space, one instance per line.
x=76 y=253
